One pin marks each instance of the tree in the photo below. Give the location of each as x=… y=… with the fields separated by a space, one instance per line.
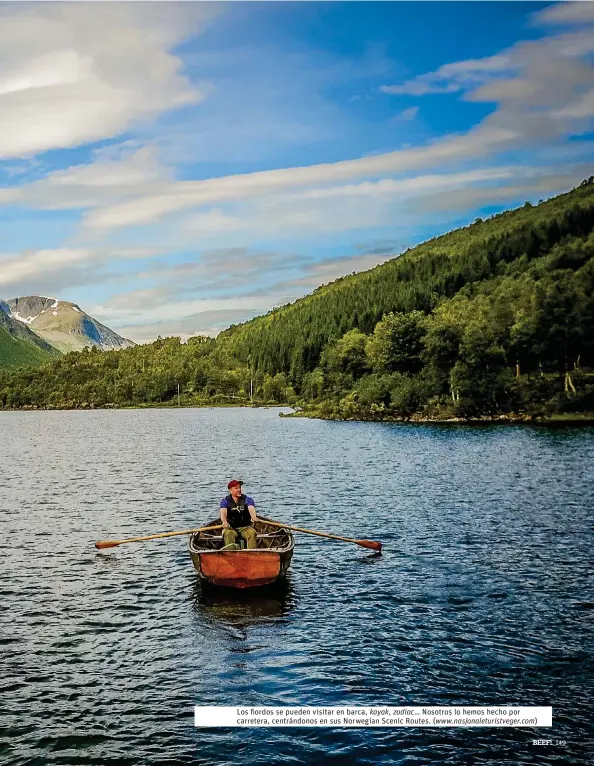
x=477 y=379
x=396 y=344
x=347 y=354
x=275 y=388
x=313 y=384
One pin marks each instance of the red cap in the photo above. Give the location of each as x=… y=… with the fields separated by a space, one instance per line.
x=234 y=483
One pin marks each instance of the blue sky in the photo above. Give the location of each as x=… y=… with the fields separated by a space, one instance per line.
x=175 y=168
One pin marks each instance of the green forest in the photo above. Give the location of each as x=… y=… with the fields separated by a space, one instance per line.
x=493 y=319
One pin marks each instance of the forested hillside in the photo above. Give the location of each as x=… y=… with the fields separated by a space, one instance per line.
x=291 y=338
x=497 y=317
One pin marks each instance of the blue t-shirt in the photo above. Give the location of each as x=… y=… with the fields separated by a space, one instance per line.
x=248 y=501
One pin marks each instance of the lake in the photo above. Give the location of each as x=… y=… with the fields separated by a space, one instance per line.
x=482 y=596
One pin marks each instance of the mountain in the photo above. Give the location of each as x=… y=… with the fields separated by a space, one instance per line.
x=19 y=346
x=64 y=325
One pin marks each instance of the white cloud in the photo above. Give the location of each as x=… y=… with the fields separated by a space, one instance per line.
x=116 y=175
x=339 y=208
x=462 y=199
x=408 y=114
x=37 y=270
x=418 y=87
x=450 y=78
x=579 y=109
x=142 y=303
x=330 y=270
x=16 y=268
x=505 y=90
x=546 y=70
x=566 y=13
x=469 y=69
x=222 y=269
x=73 y=73
x=406 y=186
x=213 y=223
x=209 y=322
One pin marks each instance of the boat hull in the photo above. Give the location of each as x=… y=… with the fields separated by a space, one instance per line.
x=240 y=569
x=247 y=568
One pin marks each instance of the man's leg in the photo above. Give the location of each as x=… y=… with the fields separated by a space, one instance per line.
x=229 y=536
x=249 y=535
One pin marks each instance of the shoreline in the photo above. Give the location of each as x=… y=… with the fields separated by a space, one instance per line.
x=155 y=406
x=559 y=419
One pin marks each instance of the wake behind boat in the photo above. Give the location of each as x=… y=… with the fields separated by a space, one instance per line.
x=242 y=568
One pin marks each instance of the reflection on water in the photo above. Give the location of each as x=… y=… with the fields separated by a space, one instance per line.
x=371 y=558
x=243 y=608
x=103 y=559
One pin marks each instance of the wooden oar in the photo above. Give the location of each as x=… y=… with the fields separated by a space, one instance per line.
x=113 y=543
x=363 y=543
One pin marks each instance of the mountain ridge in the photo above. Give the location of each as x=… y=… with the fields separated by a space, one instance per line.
x=64 y=324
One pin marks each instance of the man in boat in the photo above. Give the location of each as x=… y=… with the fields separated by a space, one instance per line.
x=238 y=513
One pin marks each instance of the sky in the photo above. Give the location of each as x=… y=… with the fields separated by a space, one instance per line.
x=174 y=168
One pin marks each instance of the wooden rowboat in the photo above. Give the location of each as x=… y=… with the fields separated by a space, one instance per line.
x=242 y=568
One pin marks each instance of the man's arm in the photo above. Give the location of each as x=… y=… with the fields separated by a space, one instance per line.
x=252 y=509
x=223 y=511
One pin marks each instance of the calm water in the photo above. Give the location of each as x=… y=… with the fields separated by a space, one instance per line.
x=483 y=594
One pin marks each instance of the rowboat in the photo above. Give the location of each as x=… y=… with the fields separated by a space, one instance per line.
x=242 y=568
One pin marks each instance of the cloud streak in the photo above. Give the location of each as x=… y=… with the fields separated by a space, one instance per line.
x=80 y=187
x=60 y=266
x=184 y=195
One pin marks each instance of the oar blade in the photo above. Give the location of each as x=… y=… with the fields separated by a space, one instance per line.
x=106 y=544
x=374 y=546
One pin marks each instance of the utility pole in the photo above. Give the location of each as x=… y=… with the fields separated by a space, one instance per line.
x=178 y=399
x=249 y=362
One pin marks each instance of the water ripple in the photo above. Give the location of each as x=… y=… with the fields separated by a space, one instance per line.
x=483 y=593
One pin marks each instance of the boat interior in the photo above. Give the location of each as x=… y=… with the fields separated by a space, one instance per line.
x=268 y=538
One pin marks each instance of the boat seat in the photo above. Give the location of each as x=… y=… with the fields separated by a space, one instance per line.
x=220 y=537
x=263 y=540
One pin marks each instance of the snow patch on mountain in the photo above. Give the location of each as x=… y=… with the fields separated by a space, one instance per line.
x=24 y=320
